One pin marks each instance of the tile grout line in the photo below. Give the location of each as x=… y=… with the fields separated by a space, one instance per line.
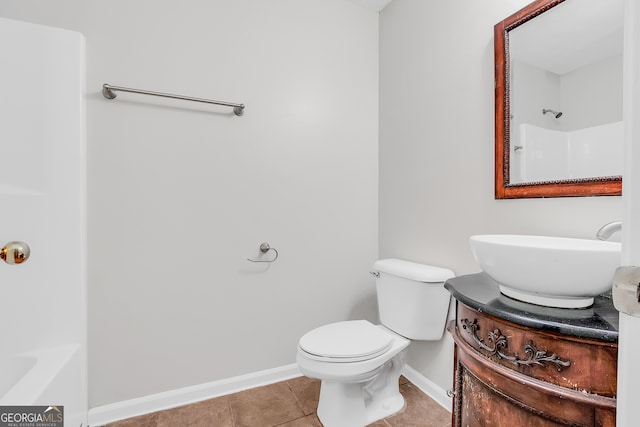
x=295 y=396
x=233 y=419
x=288 y=421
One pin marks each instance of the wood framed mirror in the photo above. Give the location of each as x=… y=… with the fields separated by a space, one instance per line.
x=558 y=100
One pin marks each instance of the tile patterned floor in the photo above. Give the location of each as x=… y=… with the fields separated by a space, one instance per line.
x=289 y=403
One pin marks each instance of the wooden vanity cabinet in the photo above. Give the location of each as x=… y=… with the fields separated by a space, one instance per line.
x=509 y=375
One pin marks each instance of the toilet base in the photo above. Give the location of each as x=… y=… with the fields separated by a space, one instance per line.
x=357 y=404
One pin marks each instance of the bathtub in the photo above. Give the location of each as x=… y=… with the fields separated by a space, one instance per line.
x=51 y=376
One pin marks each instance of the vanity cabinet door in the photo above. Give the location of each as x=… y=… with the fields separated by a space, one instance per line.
x=482 y=405
x=490 y=392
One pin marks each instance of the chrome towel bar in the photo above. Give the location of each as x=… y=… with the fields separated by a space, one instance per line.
x=109 y=92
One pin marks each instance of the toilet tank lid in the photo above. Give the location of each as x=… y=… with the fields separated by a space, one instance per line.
x=413 y=270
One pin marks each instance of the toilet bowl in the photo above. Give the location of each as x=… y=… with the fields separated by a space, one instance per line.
x=359 y=363
x=359 y=382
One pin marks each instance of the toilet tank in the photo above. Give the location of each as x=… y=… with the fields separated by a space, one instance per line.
x=412 y=300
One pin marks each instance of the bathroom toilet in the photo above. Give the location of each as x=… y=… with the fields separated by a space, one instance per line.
x=359 y=363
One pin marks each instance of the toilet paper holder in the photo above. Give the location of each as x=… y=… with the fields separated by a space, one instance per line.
x=264 y=248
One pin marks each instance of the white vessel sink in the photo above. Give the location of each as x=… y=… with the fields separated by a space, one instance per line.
x=548 y=271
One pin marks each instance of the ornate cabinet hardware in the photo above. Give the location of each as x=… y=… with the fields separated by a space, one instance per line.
x=497 y=344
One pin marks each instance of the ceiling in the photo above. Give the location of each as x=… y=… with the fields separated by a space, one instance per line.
x=570 y=35
x=374 y=5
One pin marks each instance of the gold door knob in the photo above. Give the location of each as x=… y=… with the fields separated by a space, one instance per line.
x=15 y=252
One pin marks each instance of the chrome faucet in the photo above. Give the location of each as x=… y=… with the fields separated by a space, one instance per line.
x=608 y=229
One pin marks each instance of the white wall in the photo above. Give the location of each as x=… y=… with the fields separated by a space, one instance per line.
x=589 y=96
x=181 y=194
x=592 y=95
x=437 y=147
x=532 y=89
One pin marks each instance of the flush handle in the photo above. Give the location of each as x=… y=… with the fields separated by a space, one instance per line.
x=15 y=252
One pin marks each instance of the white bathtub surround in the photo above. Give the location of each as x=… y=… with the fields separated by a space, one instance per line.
x=45 y=376
x=42 y=199
x=549 y=154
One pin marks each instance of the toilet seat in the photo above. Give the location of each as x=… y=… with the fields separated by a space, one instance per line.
x=348 y=341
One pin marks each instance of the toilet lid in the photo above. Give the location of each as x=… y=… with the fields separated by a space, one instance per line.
x=350 y=341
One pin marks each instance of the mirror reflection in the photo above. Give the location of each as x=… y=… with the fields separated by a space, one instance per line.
x=563 y=87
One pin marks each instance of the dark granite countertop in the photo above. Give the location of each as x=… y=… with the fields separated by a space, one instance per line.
x=481 y=292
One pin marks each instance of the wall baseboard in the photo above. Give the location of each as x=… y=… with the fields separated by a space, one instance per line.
x=102 y=415
x=428 y=387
